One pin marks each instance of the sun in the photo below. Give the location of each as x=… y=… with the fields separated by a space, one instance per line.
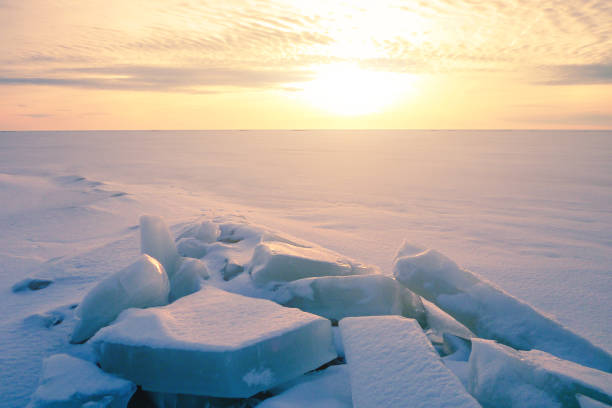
x=346 y=89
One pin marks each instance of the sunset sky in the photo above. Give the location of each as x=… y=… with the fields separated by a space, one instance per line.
x=166 y=64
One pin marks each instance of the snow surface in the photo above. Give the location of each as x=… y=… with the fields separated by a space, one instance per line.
x=214 y=343
x=392 y=364
x=69 y=382
x=528 y=210
x=501 y=377
x=489 y=311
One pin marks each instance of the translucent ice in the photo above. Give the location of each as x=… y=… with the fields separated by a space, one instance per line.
x=214 y=343
x=156 y=241
x=282 y=262
x=336 y=297
x=142 y=284
x=439 y=323
x=502 y=377
x=490 y=312
x=586 y=402
x=392 y=364
x=191 y=247
x=188 y=278
x=207 y=232
x=70 y=382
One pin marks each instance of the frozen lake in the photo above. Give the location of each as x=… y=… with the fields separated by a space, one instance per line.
x=529 y=210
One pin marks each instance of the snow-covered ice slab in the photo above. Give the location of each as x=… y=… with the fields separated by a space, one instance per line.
x=214 y=343
x=490 y=312
x=329 y=388
x=69 y=382
x=282 y=262
x=142 y=284
x=336 y=297
x=502 y=377
x=393 y=364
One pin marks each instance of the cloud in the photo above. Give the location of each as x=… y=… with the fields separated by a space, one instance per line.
x=577 y=74
x=36 y=115
x=161 y=79
x=589 y=119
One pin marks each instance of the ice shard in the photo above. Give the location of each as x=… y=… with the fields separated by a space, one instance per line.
x=490 y=312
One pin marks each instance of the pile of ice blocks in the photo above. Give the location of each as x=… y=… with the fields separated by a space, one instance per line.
x=233 y=315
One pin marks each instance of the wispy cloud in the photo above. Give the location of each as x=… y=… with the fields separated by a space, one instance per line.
x=161 y=79
x=190 y=45
x=36 y=115
x=577 y=74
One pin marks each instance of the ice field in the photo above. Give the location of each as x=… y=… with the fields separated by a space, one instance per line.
x=519 y=223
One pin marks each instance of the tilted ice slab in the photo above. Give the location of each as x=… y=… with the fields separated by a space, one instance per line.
x=336 y=297
x=490 y=312
x=185 y=274
x=142 y=284
x=283 y=262
x=156 y=241
x=439 y=323
x=69 y=382
x=502 y=377
x=329 y=388
x=392 y=364
x=214 y=343
x=188 y=278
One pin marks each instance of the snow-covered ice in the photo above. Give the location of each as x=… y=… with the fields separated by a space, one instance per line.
x=329 y=388
x=527 y=210
x=392 y=364
x=142 y=284
x=282 y=262
x=501 y=377
x=214 y=343
x=336 y=297
x=489 y=311
x=69 y=382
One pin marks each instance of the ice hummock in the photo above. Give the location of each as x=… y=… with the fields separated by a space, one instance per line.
x=392 y=364
x=214 y=343
x=502 y=377
x=489 y=311
x=142 y=284
x=69 y=382
x=282 y=262
x=336 y=297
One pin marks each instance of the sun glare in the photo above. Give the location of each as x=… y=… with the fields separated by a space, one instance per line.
x=346 y=89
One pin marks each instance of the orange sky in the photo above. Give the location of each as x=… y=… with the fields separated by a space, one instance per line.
x=182 y=64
